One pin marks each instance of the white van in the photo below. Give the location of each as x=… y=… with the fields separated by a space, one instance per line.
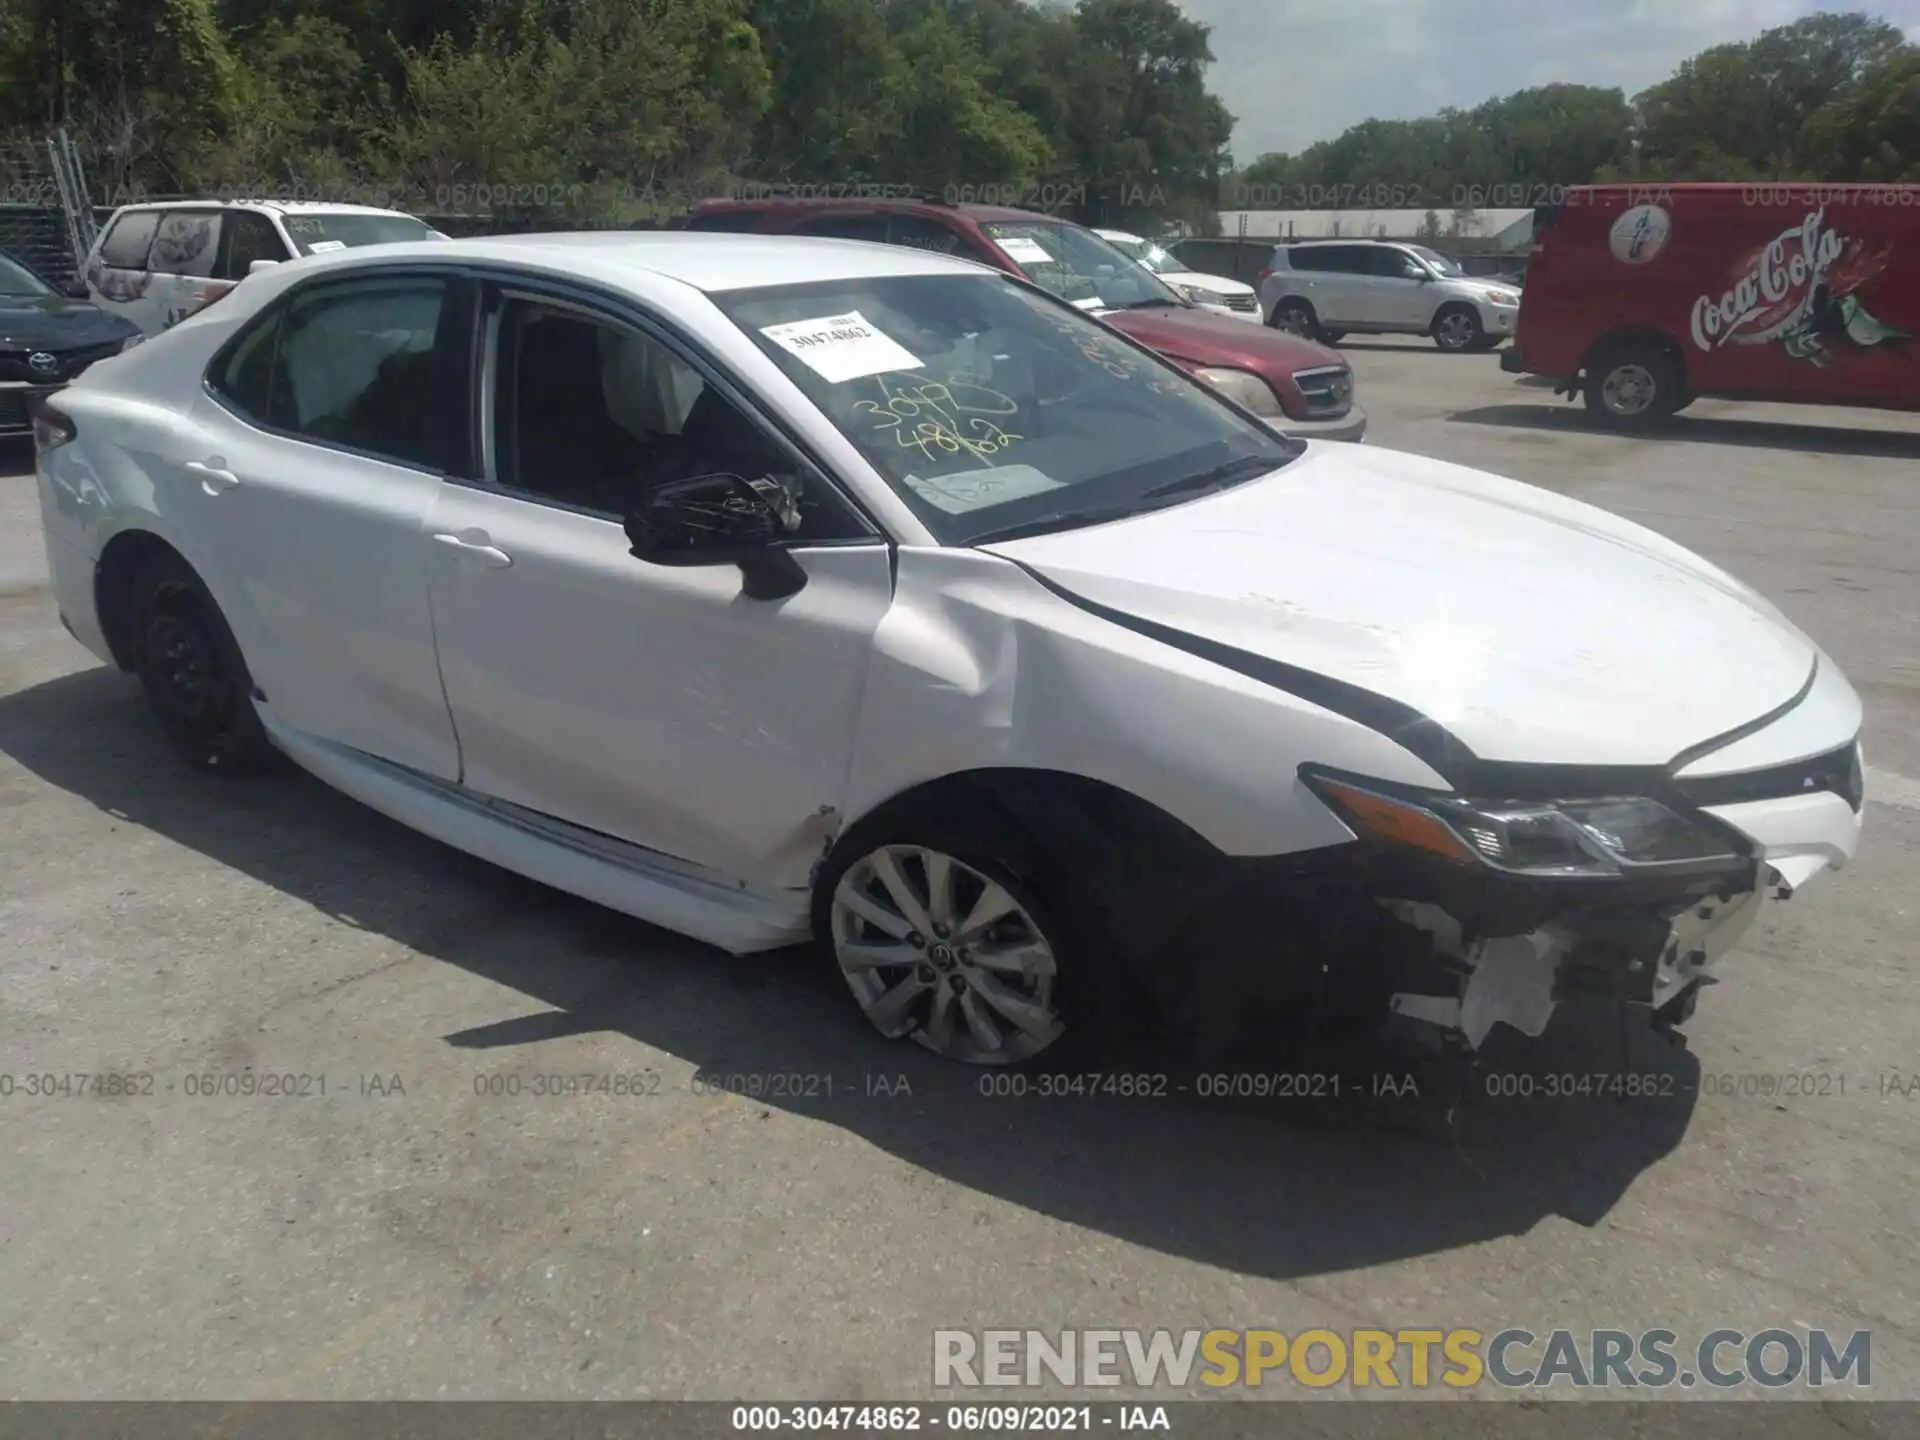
x=157 y=264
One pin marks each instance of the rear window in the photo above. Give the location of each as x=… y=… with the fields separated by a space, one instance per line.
x=341 y=230
x=128 y=240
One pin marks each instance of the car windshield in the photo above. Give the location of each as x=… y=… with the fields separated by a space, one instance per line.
x=990 y=408
x=1441 y=264
x=1078 y=266
x=16 y=279
x=319 y=231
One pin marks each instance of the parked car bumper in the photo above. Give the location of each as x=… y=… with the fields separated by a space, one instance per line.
x=1499 y=319
x=1350 y=426
x=17 y=398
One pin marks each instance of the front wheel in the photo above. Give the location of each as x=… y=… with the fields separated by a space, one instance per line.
x=1457 y=328
x=1332 y=337
x=945 y=933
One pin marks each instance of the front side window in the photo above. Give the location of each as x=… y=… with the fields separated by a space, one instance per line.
x=1394 y=263
x=987 y=407
x=247 y=236
x=924 y=234
x=1078 y=266
x=354 y=367
x=128 y=241
x=314 y=232
x=594 y=414
x=1441 y=265
x=16 y=279
x=185 y=243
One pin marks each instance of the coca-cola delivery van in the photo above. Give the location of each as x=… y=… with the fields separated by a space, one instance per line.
x=1643 y=298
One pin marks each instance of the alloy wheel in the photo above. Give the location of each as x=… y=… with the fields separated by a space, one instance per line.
x=933 y=948
x=1455 y=331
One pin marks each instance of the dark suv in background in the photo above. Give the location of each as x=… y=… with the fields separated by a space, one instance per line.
x=1298 y=386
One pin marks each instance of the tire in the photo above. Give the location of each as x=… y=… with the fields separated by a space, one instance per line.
x=935 y=990
x=1634 y=385
x=1456 y=329
x=196 y=681
x=1332 y=337
x=1488 y=342
x=1296 y=317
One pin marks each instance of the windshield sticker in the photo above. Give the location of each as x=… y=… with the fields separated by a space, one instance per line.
x=839 y=348
x=1096 y=348
x=1023 y=250
x=942 y=417
x=977 y=489
x=320 y=247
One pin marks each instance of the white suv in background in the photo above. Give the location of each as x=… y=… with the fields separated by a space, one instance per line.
x=1324 y=289
x=1209 y=292
x=157 y=264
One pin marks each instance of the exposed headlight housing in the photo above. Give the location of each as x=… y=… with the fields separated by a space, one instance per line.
x=1596 y=839
x=1245 y=389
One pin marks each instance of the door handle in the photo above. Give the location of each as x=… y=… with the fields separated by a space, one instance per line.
x=213 y=479
x=477 y=544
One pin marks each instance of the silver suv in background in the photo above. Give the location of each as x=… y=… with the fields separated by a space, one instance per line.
x=1325 y=289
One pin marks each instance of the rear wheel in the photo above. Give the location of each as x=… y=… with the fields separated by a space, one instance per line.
x=191 y=669
x=1634 y=385
x=1332 y=337
x=1296 y=317
x=954 y=931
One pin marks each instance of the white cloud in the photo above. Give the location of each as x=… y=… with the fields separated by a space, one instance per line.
x=1297 y=71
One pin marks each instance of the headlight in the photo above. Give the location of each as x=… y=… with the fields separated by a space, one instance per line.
x=1596 y=838
x=1202 y=297
x=130 y=342
x=1502 y=297
x=1245 y=389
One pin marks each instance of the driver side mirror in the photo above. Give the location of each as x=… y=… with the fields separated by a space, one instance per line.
x=723 y=519
x=256 y=266
x=77 y=290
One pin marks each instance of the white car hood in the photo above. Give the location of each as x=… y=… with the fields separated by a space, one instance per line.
x=1533 y=627
x=1218 y=284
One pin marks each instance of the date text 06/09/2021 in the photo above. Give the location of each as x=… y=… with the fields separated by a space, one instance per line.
x=999 y=1419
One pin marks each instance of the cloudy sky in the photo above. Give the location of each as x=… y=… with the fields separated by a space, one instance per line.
x=1297 y=71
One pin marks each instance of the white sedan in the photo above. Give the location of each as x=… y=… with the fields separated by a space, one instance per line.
x=776 y=589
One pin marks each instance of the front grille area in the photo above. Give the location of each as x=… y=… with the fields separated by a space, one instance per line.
x=1245 y=303
x=1328 y=388
x=1837 y=771
x=13 y=363
x=13 y=411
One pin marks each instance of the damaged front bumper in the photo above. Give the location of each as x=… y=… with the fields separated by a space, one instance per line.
x=1654 y=959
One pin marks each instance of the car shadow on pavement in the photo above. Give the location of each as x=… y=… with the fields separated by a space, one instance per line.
x=1770 y=434
x=1274 y=1188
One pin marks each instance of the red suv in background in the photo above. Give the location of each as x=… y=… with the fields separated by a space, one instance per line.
x=1300 y=387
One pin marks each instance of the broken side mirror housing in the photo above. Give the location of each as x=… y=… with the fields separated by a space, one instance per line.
x=723 y=519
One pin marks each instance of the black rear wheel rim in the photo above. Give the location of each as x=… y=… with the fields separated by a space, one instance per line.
x=186 y=671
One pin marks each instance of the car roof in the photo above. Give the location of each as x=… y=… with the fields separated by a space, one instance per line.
x=984 y=214
x=702 y=259
x=283 y=207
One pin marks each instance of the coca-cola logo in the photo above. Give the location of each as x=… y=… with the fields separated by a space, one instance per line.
x=1770 y=288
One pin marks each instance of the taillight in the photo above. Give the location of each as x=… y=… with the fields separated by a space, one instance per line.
x=1261 y=278
x=51 y=428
